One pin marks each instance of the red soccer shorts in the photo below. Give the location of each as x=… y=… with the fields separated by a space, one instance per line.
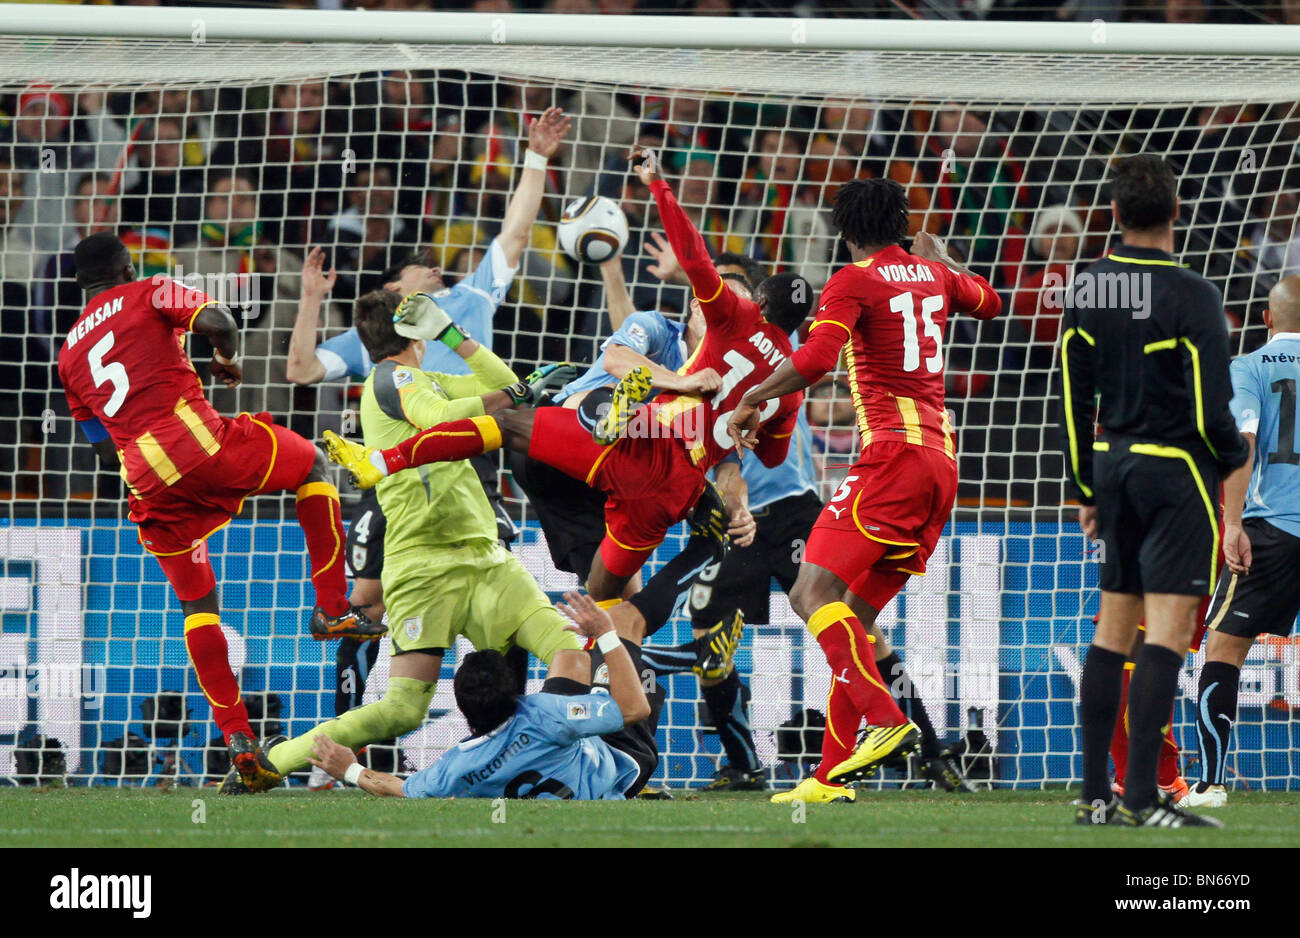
x=255 y=456
x=650 y=483
x=883 y=521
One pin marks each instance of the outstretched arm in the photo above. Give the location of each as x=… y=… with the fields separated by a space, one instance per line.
x=617 y=299
x=744 y=422
x=336 y=760
x=590 y=621
x=215 y=322
x=545 y=134
x=303 y=367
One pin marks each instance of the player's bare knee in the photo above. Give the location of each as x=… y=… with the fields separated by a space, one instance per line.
x=319 y=469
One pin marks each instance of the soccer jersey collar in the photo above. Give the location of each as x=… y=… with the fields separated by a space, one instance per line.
x=1283 y=335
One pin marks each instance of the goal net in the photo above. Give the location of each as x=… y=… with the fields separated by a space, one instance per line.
x=225 y=147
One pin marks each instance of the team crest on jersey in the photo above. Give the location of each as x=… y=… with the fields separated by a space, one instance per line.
x=577 y=711
x=638 y=333
x=412 y=627
x=402 y=377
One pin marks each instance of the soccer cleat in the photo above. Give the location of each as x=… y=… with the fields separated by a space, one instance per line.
x=630 y=392
x=320 y=780
x=231 y=785
x=655 y=794
x=352 y=624
x=1177 y=791
x=1202 y=795
x=1088 y=813
x=1164 y=813
x=876 y=745
x=811 y=791
x=943 y=771
x=353 y=457
x=730 y=778
x=249 y=762
x=718 y=648
x=708 y=519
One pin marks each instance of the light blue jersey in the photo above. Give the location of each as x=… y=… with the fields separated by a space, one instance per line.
x=651 y=334
x=471 y=303
x=550 y=748
x=793 y=477
x=1264 y=403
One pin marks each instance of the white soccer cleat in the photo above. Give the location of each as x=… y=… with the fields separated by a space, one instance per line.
x=319 y=779
x=1201 y=795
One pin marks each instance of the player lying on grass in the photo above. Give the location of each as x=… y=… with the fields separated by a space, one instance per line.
x=653 y=470
x=1261 y=539
x=444 y=572
x=571 y=740
x=885 y=313
x=135 y=394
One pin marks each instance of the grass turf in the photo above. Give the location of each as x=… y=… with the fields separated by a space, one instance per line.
x=150 y=817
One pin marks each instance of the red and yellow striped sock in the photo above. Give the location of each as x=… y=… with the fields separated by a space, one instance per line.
x=840 y=737
x=208 y=652
x=1119 y=740
x=851 y=654
x=446 y=442
x=321 y=520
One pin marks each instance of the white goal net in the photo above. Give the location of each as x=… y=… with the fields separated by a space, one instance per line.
x=220 y=152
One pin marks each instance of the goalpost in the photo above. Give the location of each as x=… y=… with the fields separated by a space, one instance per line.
x=226 y=142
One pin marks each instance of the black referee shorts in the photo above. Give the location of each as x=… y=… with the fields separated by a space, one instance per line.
x=744 y=578
x=1157 y=518
x=1265 y=601
x=365 y=543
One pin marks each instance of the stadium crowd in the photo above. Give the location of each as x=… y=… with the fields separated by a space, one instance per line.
x=236 y=183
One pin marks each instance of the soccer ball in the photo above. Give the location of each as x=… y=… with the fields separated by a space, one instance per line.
x=593 y=229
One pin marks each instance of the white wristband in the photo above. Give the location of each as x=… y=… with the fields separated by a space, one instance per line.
x=608 y=642
x=353 y=775
x=233 y=360
x=534 y=160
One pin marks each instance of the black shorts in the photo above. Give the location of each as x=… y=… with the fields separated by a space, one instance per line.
x=1265 y=601
x=744 y=578
x=365 y=544
x=1157 y=519
x=571 y=513
x=488 y=470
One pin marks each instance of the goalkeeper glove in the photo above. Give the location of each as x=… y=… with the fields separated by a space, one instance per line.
x=547 y=378
x=419 y=316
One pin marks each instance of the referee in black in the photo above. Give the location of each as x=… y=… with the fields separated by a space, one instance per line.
x=1144 y=352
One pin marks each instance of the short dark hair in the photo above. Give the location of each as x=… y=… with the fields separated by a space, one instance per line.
x=1145 y=192
x=421 y=258
x=100 y=258
x=486 y=690
x=372 y=314
x=755 y=273
x=787 y=299
x=871 y=212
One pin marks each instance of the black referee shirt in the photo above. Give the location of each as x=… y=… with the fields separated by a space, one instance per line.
x=1144 y=350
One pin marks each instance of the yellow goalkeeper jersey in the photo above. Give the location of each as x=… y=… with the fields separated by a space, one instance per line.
x=440 y=504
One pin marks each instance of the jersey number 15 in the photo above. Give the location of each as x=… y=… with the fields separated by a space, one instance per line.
x=905 y=303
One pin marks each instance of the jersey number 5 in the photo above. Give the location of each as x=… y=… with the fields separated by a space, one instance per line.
x=905 y=303
x=112 y=372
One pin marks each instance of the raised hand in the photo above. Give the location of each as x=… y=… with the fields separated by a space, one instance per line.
x=588 y=618
x=546 y=133
x=316 y=282
x=743 y=428
x=645 y=163
x=665 y=266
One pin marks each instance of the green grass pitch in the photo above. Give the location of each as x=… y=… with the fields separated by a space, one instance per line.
x=83 y=817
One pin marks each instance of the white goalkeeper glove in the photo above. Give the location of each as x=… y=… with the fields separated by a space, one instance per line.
x=419 y=316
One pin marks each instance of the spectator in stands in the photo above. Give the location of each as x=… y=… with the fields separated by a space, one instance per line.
x=15 y=244
x=1185 y=11
x=168 y=194
x=259 y=281
x=829 y=409
x=698 y=194
x=1038 y=296
x=1273 y=239
x=190 y=106
x=40 y=142
x=783 y=219
x=369 y=235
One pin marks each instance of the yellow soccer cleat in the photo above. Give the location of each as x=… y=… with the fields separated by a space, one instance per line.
x=630 y=392
x=718 y=650
x=878 y=745
x=353 y=457
x=811 y=791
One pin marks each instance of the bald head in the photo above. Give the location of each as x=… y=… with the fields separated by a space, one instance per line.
x=1284 y=304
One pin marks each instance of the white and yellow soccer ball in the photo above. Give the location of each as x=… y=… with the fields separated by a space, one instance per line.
x=593 y=229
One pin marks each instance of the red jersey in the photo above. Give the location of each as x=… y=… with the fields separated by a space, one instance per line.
x=124 y=364
x=887 y=314
x=739 y=344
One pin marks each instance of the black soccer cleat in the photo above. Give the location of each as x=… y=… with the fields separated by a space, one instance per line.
x=943 y=771
x=1164 y=813
x=655 y=794
x=730 y=778
x=352 y=624
x=1087 y=813
x=250 y=767
x=708 y=519
x=717 y=648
